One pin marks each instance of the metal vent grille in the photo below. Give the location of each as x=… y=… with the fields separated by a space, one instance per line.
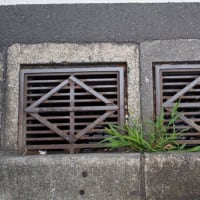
x=180 y=83
x=68 y=109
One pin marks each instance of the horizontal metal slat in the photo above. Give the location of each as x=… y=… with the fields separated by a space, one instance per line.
x=185 y=97
x=76 y=117
x=190 y=134
x=188 y=141
x=46 y=81
x=71 y=109
x=67 y=94
x=41 y=125
x=98 y=79
x=40 y=88
x=104 y=86
x=179 y=77
x=45 y=139
x=180 y=127
x=64 y=146
x=39 y=132
x=92 y=138
x=175 y=83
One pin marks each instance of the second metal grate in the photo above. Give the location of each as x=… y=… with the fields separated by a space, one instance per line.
x=180 y=83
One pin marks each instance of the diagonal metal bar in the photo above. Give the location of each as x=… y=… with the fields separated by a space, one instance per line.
x=71 y=109
x=90 y=90
x=187 y=120
x=51 y=126
x=190 y=122
x=47 y=95
x=181 y=92
x=93 y=124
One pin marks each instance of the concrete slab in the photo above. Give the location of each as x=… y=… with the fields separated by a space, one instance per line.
x=159 y=51
x=50 y=53
x=172 y=176
x=70 y=177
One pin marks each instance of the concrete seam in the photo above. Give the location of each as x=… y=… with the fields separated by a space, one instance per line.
x=140 y=82
x=3 y=103
x=142 y=177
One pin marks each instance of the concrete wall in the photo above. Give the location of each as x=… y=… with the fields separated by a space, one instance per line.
x=101 y=177
x=89 y=23
x=107 y=176
x=98 y=23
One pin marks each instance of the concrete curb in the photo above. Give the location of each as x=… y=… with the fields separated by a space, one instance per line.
x=70 y=177
x=123 y=176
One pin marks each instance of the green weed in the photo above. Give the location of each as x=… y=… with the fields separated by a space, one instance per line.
x=157 y=139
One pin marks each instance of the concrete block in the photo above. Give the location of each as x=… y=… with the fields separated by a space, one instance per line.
x=183 y=50
x=50 y=53
x=172 y=176
x=70 y=177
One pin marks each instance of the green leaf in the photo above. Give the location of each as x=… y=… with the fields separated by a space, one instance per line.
x=193 y=149
x=156 y=139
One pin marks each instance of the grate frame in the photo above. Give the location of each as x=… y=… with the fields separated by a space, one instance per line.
x=35 y=109
x=176 y=82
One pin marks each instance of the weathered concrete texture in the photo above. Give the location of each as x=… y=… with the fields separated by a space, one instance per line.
x=1 y=66
x=172 y=176
x=65 y=177
x=1 y=95
x=98 y=22
x=49 y=53
x=162 y=51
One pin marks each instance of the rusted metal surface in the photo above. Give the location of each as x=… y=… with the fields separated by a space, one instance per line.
x=68 y=108
x=180 y=83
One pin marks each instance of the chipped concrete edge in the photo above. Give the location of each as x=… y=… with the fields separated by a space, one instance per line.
x=52 y=53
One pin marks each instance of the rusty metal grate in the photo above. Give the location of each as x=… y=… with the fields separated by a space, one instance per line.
x=180 y=82
x=67 y=109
